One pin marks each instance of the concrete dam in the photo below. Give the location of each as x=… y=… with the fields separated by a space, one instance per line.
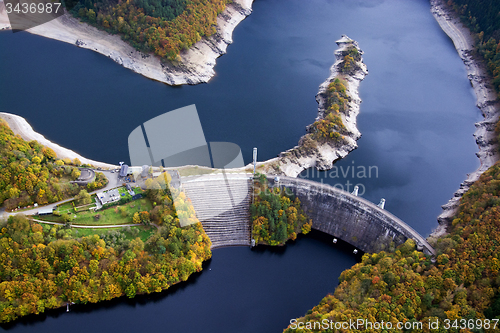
x=222 y=203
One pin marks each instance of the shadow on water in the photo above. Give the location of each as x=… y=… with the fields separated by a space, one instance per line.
x=315 y=235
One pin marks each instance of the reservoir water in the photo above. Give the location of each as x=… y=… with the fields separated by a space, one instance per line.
x=417 y=120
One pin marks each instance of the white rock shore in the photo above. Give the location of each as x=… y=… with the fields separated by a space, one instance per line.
x=20 y=127
x=197 y=65
x=486 y=101
x=293 y=161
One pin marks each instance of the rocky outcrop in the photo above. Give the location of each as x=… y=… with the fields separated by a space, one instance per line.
x=310 y=153
x=196 y=65
x=486 y=101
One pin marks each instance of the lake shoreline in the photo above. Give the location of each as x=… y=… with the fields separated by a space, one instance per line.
x=486 y=101
x=197 y=65
x=322 y=156
x=21 y=127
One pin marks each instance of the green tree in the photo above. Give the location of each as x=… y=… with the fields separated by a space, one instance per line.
x=67 y=217
x=83 y=198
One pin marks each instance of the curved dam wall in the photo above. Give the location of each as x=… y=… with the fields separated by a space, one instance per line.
x=353 y=219
x=222 y=204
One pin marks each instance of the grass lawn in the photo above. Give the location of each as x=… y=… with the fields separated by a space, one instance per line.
x=114 y=215
x=66 y=207
x=122 y=190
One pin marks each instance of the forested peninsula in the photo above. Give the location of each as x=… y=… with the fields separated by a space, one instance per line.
x=163 y=28
x=44 y=266
x=32 y=173
x=334 y=133
x=463 y=284
x=175 y=42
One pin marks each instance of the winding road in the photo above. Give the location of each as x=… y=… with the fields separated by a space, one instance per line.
x=113 y=182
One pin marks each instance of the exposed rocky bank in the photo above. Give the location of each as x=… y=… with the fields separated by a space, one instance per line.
x=21 y=127
x=310 y=153
x=486 y=101
x=196 y=66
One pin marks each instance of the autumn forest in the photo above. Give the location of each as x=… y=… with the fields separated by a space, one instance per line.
x=464 y=282
x=162 y=27
x=45 y=266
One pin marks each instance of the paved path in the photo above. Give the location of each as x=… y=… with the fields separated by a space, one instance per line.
x=113 y=182
x=91 y=226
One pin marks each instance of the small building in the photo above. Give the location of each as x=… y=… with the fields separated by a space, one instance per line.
x=134 y=172
x=108 y=196
x=100 y=196
x=124 y=170
x=45 y=211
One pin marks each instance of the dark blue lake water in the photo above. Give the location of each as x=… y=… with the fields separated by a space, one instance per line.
x=417 y=120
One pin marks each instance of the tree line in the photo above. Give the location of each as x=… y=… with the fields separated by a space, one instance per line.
x=162 y=27
x=276 y=215
x=331 y=127
x=44 y=267
x=483 y=19
x=405 y=286
x=32 y=173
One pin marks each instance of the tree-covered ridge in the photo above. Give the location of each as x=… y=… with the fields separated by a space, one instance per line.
x=31 y=173
x=351 y=57
x=44 y=266
x=463 y=284
x=483 y=18
x=162 y=27
x=331 y=126
x=405 y=286
x=276 y=215
x=480 y=16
